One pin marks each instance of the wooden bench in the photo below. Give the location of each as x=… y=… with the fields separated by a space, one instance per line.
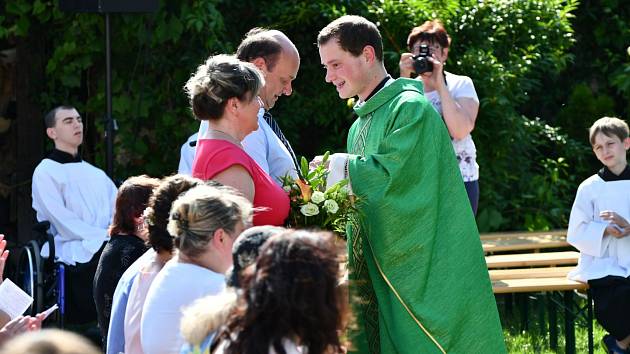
x=544 y=272
x=521 y=260
x=523 y=241
x=529 y=273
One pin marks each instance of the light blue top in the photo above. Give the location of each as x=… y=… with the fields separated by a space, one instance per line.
x=116 y=333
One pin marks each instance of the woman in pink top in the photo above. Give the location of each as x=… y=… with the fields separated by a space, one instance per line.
x=224 y=91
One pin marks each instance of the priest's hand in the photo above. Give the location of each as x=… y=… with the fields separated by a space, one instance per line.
x=317 y=160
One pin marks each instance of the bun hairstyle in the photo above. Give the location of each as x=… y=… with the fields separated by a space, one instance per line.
x=156 y=215
x=197 y=214
x=220 y=78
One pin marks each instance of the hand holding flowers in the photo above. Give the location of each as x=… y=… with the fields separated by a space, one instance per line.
x=314 y=205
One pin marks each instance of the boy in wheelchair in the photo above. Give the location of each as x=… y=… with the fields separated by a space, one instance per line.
x=78 y=201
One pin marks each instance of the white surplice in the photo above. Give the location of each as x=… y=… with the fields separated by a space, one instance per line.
x=600 y=254
x=78 y=200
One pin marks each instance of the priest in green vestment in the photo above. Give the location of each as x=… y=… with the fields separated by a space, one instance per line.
x=418 y=276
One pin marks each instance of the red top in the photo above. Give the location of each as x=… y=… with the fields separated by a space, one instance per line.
x=214 y=156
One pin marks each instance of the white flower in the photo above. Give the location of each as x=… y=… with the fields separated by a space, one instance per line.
x=331 y=206
x=287 y=188
x=309 y=209
x=318 y=197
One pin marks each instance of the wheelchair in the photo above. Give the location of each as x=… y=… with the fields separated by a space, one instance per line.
x=42 y=278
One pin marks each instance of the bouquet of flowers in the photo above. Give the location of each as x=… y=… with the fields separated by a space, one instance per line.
x=314 y=205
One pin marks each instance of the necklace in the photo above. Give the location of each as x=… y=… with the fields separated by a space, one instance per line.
x=219 y=134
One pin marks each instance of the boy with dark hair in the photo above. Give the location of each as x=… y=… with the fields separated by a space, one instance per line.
x=78 y=200
x=599 y=229
x=416 y=263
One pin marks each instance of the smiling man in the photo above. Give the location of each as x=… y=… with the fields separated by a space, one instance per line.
x=78 y=200
x=416 y=264
x=278 y=60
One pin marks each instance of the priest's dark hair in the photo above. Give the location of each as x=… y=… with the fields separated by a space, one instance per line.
x=220 y=78
x=51 y=116
x=353 y=33
x=159 y=207
x=131 y=200
x=609 y=126
x=260 y=43
x=291 y=291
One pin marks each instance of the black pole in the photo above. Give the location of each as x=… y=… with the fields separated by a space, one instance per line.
x=109 y=123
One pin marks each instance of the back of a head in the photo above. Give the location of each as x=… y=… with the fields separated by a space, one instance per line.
x=431 y=31
x=609 y=126
x=220 y=78
x=131 y=200
x=49 y=341
x=292 y=292
x=156 y=215
x=246 y=248
x=353 y=33
x=197 y=214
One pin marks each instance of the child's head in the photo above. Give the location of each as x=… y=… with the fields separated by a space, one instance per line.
x=610 y=142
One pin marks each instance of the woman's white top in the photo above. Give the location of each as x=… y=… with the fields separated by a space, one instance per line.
x=465 y=150
x=176 y=286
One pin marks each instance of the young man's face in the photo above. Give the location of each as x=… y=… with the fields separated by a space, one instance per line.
x=278 y=81
x=348 y=73
x=611 y=151
x=68 y=130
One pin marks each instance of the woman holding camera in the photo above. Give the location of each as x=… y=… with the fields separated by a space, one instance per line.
x=453 y=96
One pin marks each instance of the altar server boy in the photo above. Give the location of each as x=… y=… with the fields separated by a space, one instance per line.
x=599 y=229
x=78 y=200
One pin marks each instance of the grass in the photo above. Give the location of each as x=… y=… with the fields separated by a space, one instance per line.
x=535 y=339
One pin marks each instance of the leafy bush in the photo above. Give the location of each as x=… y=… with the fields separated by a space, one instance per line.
x=529 y=170
x=505 y=47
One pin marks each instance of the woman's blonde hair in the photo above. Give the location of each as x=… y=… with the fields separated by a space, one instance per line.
x=49 y=341
x=220 y=78
x=197 y=214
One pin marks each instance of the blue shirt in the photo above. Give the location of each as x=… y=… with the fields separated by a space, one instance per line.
x=116 y=333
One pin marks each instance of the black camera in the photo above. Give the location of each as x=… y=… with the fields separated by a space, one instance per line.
x=421 y=63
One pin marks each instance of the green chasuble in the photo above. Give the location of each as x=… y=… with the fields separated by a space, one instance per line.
x=419 y=280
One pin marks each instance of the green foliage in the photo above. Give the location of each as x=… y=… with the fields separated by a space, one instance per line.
x=582 y=109
x=505 y=47
x=529 y=170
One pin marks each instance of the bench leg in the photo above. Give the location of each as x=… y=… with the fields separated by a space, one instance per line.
x=522 y=301
x=541 y=313
x=553 y=323
x=569 y=323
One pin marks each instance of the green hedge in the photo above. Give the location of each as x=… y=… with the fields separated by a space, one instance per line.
x=529 y=170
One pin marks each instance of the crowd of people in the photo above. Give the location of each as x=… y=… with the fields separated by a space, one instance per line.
x=200 y=262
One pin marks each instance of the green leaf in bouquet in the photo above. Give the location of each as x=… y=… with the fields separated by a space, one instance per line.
x=304 y=166
x=325 y=157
